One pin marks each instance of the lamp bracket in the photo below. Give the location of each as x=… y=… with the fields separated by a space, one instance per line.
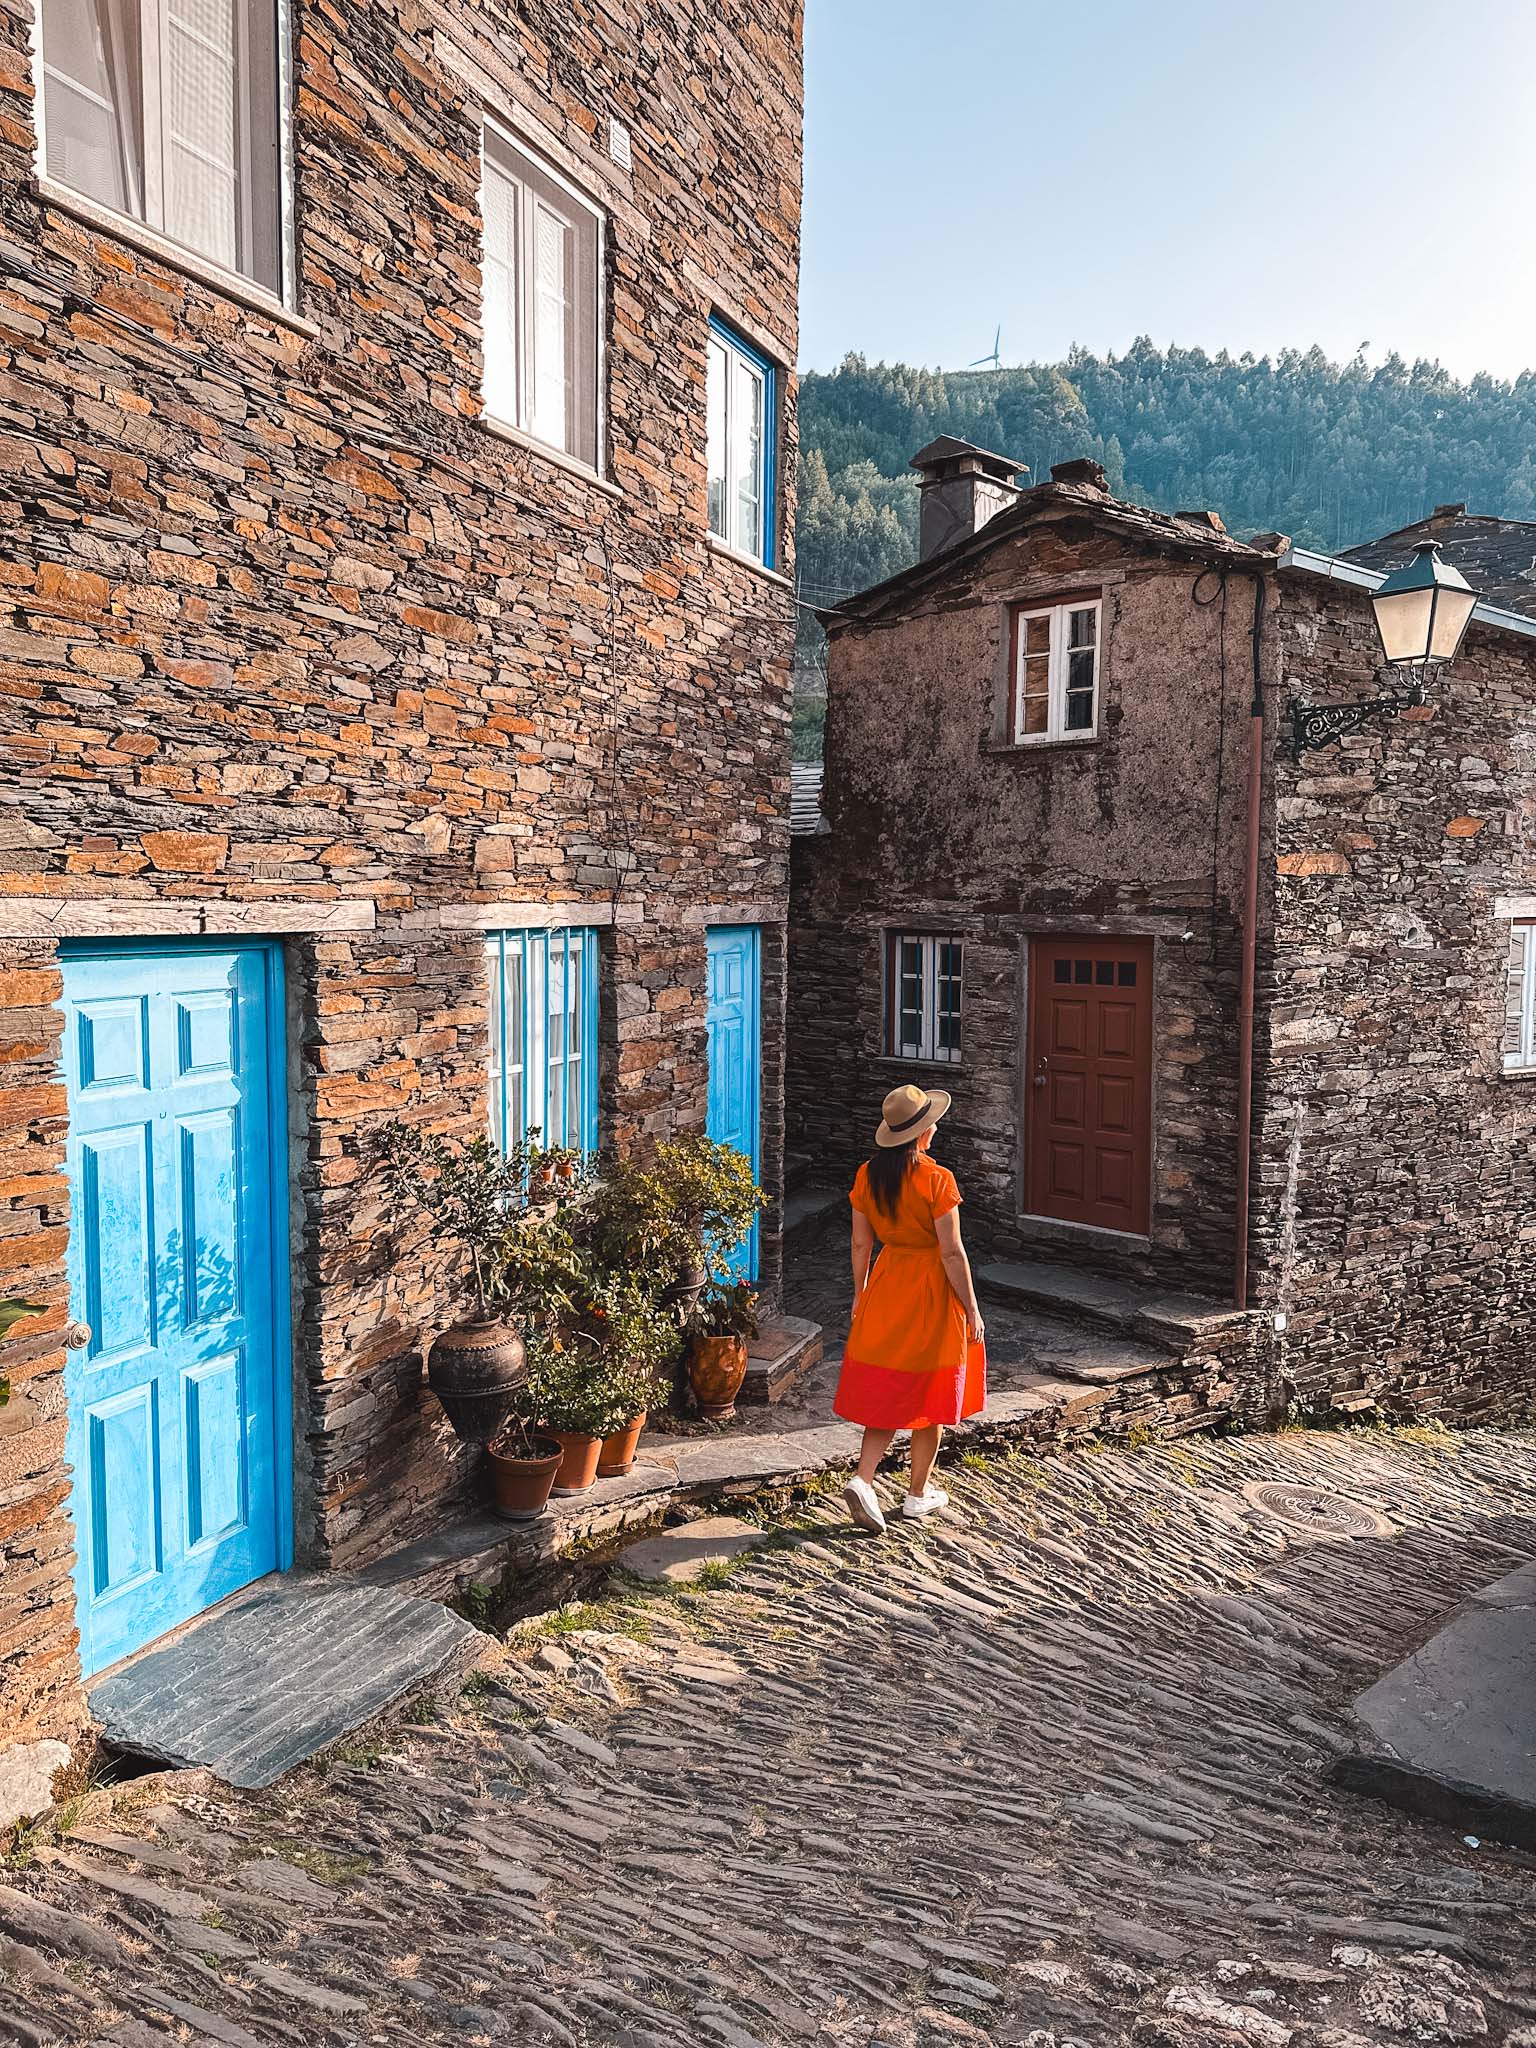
x=1324 y=725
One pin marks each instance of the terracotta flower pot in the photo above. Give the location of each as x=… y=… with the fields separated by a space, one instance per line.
x=716 y=1368
x=520 y=1486
x=618 y=1452
x=475 y=1369
x=578 y=1461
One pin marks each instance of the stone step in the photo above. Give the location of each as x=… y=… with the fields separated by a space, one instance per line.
x=277 y=1674
x=788 y=1348
x=1173 y=1322
x=808 y=1211
x=1095 y=1357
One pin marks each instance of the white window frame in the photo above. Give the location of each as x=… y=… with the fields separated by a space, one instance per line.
x=509 y=356
x=148 y=227
x=1520 y=999
x=729 y=356
x=547 y=963
x=925 y=1047
x=1060 y=616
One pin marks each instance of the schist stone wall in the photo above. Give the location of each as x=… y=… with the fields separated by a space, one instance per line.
x=295 y=645
x=1395 y=1161
x=937 y=825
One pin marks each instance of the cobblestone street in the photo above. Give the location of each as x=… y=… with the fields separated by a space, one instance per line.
x=1051 y=1772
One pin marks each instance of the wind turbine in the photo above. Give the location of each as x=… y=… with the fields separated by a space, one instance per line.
x=996 y=357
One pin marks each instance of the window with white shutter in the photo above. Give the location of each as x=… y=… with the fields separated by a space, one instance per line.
x=923 y=979
x=541 y=293
x=1520 y=999
x=168 y=111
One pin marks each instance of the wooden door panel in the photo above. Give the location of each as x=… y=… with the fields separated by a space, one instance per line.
x=1117 y=1030
x=1069 y=1027
x=173 y=1422
x=1089 y=1061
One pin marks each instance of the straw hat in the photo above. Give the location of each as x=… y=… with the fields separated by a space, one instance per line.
x=908 y=1112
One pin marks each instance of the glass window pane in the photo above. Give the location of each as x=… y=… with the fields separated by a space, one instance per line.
x=1061 y=970
x=1126 y=974
x=1104 y=973
x=1082 y=970
x=719 y=377
x=1037 y=634
x=1080 y=711
x=499 y=205
x=202 y=197
x=1083 y=628
x=553 y=254
x=747 y=453
x=1080 y=670
x=1037 y=713
x=91 y=99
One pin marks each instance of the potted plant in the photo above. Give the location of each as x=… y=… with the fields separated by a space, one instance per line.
x=723 y=1325
x=594 y=1378
x=646 y=1340
x=675 y=1219
x=473 y=1197
x=522 y=1461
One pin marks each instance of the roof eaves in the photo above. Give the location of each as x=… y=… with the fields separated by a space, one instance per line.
x=1337 y=570
x=1137 y=520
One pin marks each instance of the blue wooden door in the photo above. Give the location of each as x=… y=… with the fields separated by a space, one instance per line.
x=735 y=1056
x=177 y=1407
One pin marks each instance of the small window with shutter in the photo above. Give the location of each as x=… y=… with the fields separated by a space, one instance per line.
x=1520 y=999
x=168 y=111
x=540 y=290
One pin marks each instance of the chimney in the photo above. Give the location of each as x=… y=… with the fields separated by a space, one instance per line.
x=1446 y=515
x=960 y=488
x=1087 y=474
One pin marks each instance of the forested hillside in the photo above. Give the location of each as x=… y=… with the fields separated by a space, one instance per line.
x=1329 y=453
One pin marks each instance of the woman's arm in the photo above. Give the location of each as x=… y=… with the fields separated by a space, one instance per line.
x=863 y=1251
x=957 y=1268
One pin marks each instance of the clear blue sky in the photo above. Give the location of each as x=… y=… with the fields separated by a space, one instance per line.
x=1337 y=171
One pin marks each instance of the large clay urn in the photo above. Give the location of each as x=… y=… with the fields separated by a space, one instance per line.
x=475 y=1370
x=716 y=1368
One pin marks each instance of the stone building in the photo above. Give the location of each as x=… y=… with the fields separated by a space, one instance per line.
x=1048 y=819
x=397 y=446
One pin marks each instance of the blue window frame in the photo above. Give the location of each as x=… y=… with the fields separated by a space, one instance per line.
x=743 y=427
x=543 y=1062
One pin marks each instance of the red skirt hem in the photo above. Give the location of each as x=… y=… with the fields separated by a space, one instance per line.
x=875 y=1397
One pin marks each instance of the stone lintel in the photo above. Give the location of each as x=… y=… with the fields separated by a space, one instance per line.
x=133 y=917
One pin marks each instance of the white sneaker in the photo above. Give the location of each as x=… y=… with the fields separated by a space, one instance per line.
x=864 y=1505
x=931 y=1501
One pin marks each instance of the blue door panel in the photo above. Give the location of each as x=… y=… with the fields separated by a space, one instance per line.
x=177 y=1413
x=735 y=1052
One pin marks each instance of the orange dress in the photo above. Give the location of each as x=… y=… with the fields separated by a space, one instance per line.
x=909 y=1361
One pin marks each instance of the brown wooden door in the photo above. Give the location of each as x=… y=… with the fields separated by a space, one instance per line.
x=1090 y=1082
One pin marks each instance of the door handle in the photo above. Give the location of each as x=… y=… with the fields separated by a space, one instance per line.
x=1039 y=1080
x=77 y=1336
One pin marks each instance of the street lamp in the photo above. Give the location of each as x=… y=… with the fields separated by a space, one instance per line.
x=1422 y=612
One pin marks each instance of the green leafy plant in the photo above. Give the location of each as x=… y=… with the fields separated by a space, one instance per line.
x=603 y=1366
x=729 y=1308
x=690 y=1207
x=13 y=1311
x=498 y=1210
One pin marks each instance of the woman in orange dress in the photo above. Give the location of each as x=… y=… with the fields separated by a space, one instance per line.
x=915 y=1357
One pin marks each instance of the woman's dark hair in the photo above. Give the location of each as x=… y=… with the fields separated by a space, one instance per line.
x=889 y=1166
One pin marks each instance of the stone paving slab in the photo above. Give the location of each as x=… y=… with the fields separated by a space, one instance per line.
x=1451 y=1732
x=280 y=1673
x=1052 y=1771
x=678 y=1556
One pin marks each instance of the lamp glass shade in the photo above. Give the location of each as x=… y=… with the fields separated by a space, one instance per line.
x=1453 y=609
x=1422 y=609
